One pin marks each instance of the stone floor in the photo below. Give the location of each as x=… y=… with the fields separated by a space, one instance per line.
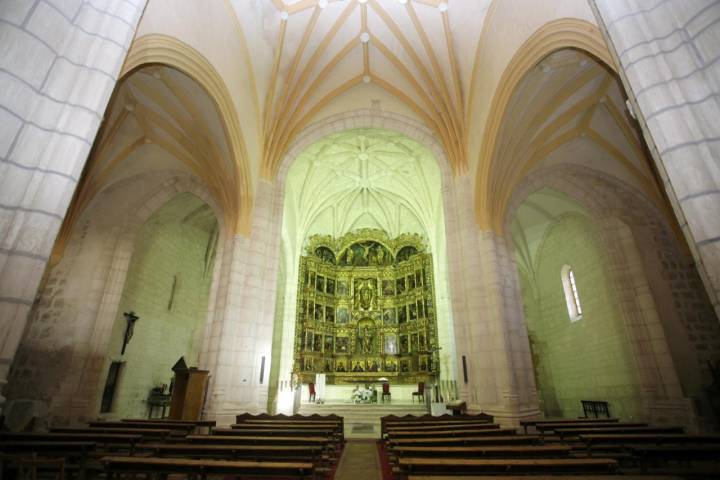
x=359 y=461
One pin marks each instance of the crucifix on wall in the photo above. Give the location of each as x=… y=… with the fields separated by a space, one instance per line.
x=131 y=318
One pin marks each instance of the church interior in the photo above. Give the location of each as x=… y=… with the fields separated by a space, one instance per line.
x=360 y=238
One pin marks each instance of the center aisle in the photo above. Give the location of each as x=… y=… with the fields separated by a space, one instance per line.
x=359 y=460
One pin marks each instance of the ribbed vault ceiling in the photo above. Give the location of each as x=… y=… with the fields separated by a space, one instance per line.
x=363 y=179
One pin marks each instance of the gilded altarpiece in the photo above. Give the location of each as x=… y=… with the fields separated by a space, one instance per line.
x=366 y=309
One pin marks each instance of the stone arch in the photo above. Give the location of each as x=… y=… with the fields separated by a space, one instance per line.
x=90 y=365
x=377 y=119
x=169 y=51
x=606 y=200
x=566 y=33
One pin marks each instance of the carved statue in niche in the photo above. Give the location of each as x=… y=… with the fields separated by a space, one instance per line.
x=365 y=294
x=365 y=336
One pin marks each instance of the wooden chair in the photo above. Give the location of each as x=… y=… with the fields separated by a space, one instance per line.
x=420 y=392
x=311 y=388
x=386 y=391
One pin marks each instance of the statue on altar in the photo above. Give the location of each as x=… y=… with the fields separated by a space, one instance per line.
x=365 y=294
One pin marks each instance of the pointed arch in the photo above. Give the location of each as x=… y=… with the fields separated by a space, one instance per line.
x=169 y=51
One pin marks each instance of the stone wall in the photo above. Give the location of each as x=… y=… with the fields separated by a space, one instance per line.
x=59 y=61
x=167 y=286
x=591 y=358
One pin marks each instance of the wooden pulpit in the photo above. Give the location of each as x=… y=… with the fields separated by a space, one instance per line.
x=188 y=392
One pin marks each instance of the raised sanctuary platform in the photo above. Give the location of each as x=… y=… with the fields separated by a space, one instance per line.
x=363 y=420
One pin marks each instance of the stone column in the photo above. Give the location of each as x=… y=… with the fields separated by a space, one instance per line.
x=59 y=62
x=490 y=329
x=668 y=53
x=242 y=329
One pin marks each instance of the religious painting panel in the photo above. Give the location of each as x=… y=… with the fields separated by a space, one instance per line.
x=328 y=366
x=411 y=282
x=421 y=309
x=418 y=277
x=310 y=310
x=342 y=287
x=309 y=341
x=391 y=365
x=391 y=347
x=412 y=308
x=414 y=342
x=319 y=310
x=388 y=287
x=421 y=341
x=320 y=284
x=317 y=343
x=402 y=314
x=331 y=286
x=328 y=344
x=404 y=347
x=400 y=285
x=340 y=366
x=330 y=314
x=343 y=316
x=389 y=317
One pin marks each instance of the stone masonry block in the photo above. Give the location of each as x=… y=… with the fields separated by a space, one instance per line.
x=16 y=47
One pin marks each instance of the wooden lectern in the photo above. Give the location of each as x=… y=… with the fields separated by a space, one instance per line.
x=188 y=392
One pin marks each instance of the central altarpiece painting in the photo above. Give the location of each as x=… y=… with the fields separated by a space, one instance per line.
x=366 y=309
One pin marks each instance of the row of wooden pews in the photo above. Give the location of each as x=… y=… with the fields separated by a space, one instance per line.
x=258 y=446
x=474 y=445
x=642 y=448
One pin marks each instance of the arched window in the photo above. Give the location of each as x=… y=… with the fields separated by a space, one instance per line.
x=571 y=294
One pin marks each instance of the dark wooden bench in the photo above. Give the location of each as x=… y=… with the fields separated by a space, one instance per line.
x=145 y=433
x=432 y=428
x=597 y=442
x=569 y=421
x=651 y=454
x=259 y=440
x=431 y=420
x=524 y=477
x=204 y=467
x=564 y=433
x=465 y=441
x=106 y=441
x=310 y=453
x=334 y=421
x=496 y=430
x=174 y=427
x=485 y=451
x=457 y=466
x=209 y=424
x=74 y=455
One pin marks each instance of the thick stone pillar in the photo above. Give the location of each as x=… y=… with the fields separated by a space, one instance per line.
x=668 y=53
x=240 y=345
x=59 y=62
x=490 y=329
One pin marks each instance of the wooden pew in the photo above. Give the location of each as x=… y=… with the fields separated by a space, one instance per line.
x=525 y=477
x=496 y=430
x=259 y=440
x=592 y=441
x=204 y=467
x=569 y=421
x=175 y=427
x=309 y=453
x=564 y=433
x=465 y=441
x=209 y=424
x=105 y=441
x=74 y=455
x=145 y=433
x=431 y=429
x=650 y=454
x=334 y=421
x=470 y=466
x=431 y=420
x=484 y=451
x=326 y=431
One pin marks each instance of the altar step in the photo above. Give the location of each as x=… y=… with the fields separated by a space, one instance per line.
x=363 y=420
